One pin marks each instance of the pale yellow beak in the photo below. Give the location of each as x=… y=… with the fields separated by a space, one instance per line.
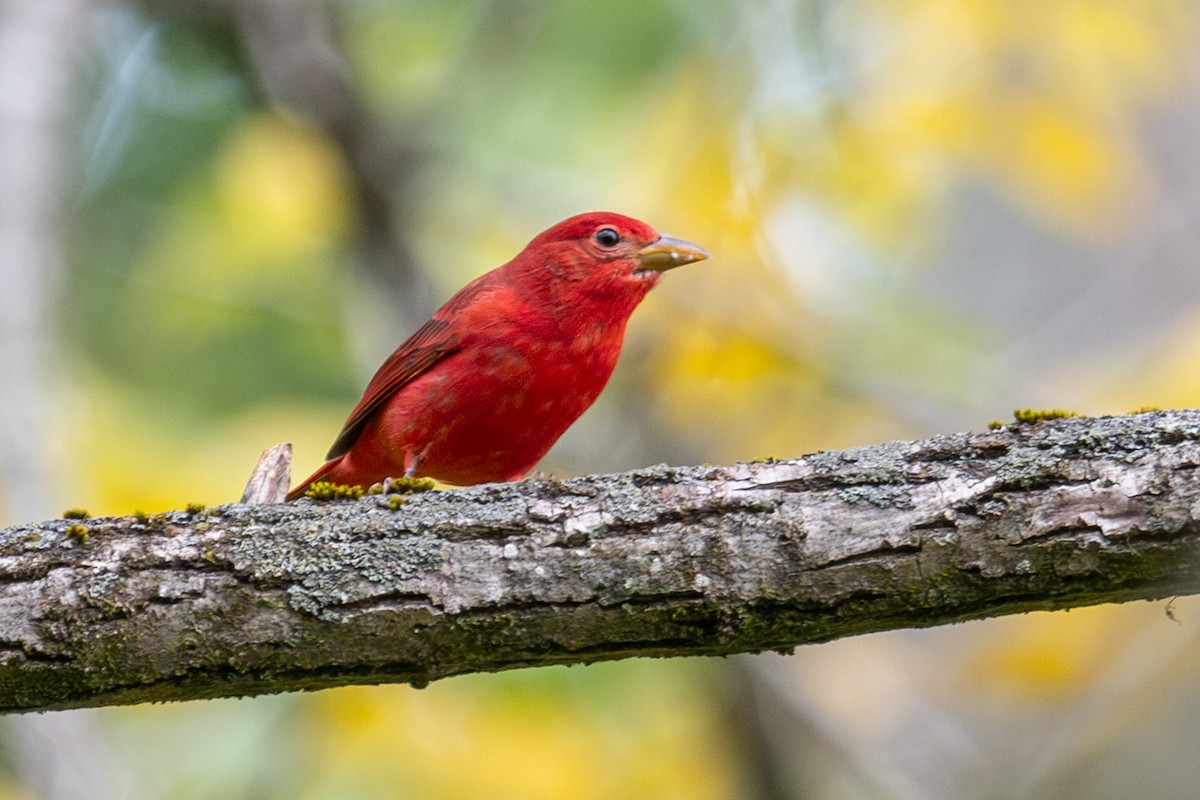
x=669 y=253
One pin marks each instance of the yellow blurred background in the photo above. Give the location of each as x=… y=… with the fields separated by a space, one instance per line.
x=219 y=218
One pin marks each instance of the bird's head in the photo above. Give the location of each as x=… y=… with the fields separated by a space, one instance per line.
x=608 y=251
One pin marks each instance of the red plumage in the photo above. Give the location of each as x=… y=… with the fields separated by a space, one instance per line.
x=483 y=389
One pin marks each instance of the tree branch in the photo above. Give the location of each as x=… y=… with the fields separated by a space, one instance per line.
x=658 y=562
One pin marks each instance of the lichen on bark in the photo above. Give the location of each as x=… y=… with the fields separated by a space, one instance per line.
x=662 y=562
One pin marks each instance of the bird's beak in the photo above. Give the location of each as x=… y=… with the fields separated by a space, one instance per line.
x=669 y=253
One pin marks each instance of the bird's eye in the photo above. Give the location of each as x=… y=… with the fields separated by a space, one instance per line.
x=607 y=237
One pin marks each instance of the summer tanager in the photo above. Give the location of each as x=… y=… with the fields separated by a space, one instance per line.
x=482 y=390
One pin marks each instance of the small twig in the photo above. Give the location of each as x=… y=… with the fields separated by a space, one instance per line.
x=271 y=478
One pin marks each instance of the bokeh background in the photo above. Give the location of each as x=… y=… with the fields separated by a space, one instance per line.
x=218 y=216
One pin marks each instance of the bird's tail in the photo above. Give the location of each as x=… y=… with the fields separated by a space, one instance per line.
x=320 y=474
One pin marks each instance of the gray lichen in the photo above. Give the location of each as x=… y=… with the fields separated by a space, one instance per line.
x=661 y=561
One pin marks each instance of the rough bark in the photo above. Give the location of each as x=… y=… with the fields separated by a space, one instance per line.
x=657 y=562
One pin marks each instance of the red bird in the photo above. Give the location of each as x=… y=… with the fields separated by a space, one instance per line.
x=482 y=390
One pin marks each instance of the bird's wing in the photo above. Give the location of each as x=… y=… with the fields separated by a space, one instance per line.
x=432 y=342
